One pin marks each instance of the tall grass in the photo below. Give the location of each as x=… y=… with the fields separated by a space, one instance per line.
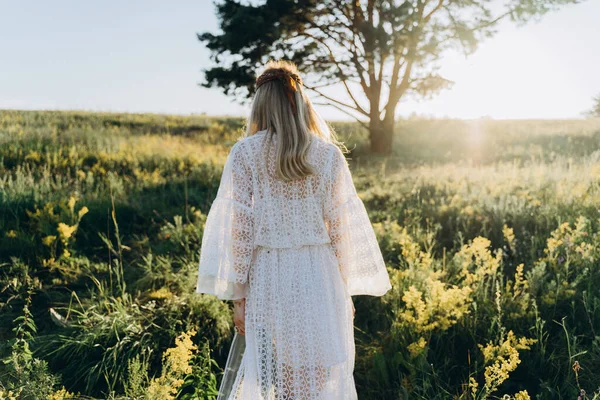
x=490 y=230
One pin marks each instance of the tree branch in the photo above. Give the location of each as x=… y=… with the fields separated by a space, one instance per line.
x=344 y=78
x=345 y=112
x=486 y=24
x=437 y=7
x=360 y=110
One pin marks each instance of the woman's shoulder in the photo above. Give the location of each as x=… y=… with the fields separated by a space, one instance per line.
x=247 y=143
x=325 y=145
x=252 y=139
x=247 y=149
x=333 y=151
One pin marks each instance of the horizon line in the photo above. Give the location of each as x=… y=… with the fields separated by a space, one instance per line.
x=239 y=116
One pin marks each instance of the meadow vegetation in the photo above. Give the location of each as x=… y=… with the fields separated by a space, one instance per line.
x=490 y=231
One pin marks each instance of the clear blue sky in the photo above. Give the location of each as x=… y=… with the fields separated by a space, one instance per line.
x=143 y=56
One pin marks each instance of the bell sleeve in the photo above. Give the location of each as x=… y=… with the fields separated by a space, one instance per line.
x=351 y=233
x=227 y=243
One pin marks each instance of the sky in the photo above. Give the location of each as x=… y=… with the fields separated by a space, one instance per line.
x=143 y=56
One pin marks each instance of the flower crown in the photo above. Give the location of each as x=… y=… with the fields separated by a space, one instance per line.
x=289 y=80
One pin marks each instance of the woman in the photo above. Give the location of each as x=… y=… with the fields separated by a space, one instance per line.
x=289 y=241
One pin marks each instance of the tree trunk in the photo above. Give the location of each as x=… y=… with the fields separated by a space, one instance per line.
x=381 y=134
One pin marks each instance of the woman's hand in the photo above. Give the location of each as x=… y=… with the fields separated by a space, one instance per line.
x=239 y=316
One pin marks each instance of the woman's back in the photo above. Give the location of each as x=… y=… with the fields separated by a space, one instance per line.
x=287 y=214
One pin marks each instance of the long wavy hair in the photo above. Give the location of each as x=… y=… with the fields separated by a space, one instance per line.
x=281 y=107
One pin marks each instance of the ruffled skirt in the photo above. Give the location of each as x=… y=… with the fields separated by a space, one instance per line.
x=299 y=341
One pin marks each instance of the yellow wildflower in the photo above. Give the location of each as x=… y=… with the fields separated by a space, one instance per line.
x=11 y=234
x=509 y=235
x=82 y=211
x=10 y=395
x=553 y=244
x=179 y=356
x=175 y=366
x=61 y=394
x=48 y=240
x=440 y=307
x=65 y=231
x=411 y=251
x=477 y=262
x=473 y=385
x=521 y=284
x=522 y=395
x=71 y=203
x=162 y=293
x=33 y=156
x=415 y=349
x=49 y=263
x=502 y=359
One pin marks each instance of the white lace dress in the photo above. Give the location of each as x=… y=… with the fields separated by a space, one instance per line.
x=297 y=251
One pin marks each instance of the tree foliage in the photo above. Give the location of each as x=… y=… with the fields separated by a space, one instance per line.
x=377 y=51
x=595 y=111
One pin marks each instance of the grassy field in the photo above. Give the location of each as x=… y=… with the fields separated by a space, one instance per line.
x=490 y=230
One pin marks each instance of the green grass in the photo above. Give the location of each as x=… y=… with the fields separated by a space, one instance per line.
x=124 y=280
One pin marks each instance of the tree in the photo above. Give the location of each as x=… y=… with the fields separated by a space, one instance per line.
x=595 y=111
x=376 y=51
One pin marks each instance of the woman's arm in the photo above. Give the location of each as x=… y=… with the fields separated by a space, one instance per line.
x=352 y=237
x=227 y=241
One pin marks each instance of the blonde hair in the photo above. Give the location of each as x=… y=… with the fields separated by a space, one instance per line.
x=281 y=106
